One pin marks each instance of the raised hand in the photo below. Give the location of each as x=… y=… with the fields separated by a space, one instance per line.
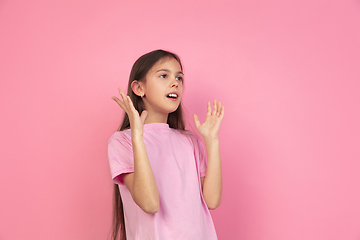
x=136 y=121
x=210 y=128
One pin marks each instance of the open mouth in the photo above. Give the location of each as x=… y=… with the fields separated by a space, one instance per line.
x=172 y=96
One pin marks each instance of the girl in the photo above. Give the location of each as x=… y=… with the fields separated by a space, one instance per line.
x=164 y=187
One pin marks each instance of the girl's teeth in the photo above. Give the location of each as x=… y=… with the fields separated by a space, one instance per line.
x=172 y=95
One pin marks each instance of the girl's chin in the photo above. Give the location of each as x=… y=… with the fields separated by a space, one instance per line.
x=172 y=109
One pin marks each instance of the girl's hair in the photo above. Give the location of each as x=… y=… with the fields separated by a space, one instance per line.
x=175 y=120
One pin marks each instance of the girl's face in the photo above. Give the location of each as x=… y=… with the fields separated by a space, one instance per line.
x=163 y=87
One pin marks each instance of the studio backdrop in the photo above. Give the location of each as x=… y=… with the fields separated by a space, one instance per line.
x=286 y=71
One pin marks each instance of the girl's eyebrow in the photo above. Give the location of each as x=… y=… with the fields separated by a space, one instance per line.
x=167 y=70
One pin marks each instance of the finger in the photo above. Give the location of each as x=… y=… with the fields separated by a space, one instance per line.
x=124 y=97
x=143 y=116
x=196 y=121
x=121 y=104
x=222 y=112
x=130 y=104
x=121 y=91
x=208 y=109
x=219 y=109
x=214 y=107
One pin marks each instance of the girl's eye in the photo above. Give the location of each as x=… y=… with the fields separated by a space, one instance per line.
x=163 y=76
x=179 y=78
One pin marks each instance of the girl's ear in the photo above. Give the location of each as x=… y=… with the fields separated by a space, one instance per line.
x=137 y=88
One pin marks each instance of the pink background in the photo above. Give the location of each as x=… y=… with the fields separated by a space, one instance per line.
x=287 y=72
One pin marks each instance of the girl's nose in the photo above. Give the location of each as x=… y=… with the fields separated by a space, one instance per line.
x=175 y=83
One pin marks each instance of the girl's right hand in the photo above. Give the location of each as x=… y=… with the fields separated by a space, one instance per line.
x=136 y=121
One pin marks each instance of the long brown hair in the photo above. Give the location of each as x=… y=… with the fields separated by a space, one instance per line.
x=175 y=120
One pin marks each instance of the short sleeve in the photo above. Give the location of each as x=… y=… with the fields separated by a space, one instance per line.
x=120 y=156
x=201 y=156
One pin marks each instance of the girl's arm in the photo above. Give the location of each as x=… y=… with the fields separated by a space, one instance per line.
x=141 y=183
x=212 y=182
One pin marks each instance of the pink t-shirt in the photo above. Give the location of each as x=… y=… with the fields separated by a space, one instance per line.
x=178 y=160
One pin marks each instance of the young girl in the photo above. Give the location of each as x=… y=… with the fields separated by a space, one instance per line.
x=164 y=187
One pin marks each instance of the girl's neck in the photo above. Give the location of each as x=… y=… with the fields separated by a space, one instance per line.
x=156 y=118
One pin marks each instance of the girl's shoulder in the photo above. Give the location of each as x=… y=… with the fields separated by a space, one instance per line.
x=190 y=135
x=124 y=135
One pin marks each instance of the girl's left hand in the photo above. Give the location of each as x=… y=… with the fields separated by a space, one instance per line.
x=210 y=128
